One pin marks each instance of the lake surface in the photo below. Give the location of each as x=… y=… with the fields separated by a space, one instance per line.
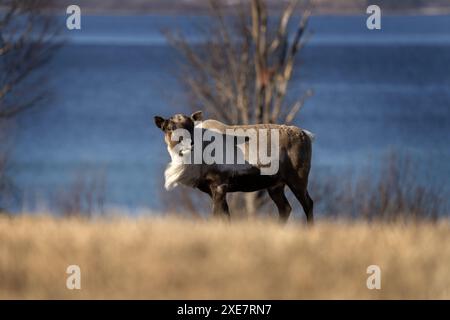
x=375 y=91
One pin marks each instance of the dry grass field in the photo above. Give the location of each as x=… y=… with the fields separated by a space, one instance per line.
x=169 y=258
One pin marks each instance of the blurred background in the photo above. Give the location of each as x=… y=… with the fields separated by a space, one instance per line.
x=77 y=132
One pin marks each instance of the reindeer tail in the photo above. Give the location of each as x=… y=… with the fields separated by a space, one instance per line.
x=309 y=134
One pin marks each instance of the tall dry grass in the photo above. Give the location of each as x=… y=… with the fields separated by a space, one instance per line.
x=161 y=258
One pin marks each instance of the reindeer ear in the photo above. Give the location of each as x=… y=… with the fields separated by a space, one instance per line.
x=197 y=116
x=159 y=121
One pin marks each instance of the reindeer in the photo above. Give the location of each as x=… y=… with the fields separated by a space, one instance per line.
x=294 y=148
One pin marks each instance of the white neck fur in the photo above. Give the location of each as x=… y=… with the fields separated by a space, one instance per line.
x=178 y=172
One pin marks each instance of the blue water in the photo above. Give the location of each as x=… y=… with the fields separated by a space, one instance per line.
x=374 y=91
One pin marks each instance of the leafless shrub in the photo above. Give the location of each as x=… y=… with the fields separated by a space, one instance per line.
x=26 y=44
x=85 y=196
x=8 y=191
x=6 y=185
x=182 y=202
x=394 y=191
x=241 y=72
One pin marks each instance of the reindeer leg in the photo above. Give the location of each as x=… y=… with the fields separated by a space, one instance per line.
x=284 y=208
x=308 y=205
x=219 y=197
x=302 y=195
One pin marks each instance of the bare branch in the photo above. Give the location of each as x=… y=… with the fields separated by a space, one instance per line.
x=26 y=45
x=297 y=107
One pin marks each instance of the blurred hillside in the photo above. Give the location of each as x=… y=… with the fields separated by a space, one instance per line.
x=199 y=6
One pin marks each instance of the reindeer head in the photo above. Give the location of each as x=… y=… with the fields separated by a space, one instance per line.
x=171 y=125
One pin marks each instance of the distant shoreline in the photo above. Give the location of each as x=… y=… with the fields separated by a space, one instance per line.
x=202 y=7
x=191 y=11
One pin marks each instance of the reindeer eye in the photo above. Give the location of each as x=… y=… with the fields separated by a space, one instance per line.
x=169 y=127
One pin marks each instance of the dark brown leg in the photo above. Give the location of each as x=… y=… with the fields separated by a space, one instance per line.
x=301 y=193
x=219 y=198
x=308 y=203
x=284 y=208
